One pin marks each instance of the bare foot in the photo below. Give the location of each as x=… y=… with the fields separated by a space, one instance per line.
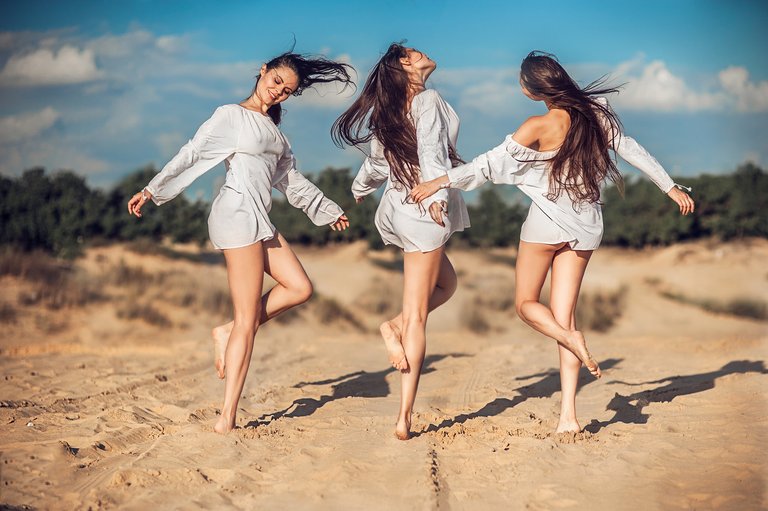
x=403 y=428
x=391 y=336
x=571 y=426
x=576 y=343
x=224 y=425
x=220 y=336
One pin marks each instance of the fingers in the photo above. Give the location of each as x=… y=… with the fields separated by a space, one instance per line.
x=683 y=201
x=686 y=204
x=418 y=193
x=340 y=224
x=135 y=204
x=436 y=212
x=358 y=200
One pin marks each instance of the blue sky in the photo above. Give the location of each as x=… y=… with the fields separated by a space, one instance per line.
x=105 y=87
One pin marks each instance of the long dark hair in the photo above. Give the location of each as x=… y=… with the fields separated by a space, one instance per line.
x=310 y=70
x=582 y=162
x=381 y=111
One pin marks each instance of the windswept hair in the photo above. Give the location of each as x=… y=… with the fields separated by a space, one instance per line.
x=582 y=162
x=310 y=70
x=382 y=111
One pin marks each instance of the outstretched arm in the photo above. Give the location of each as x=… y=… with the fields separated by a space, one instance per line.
x=214 y=141
x=637 y=156
x=506 y=163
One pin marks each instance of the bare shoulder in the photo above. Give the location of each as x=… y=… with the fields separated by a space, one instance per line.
x=530 y=131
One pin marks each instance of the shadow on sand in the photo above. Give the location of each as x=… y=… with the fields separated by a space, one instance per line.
x=629 y=409
x=357 y=384
x=547 y=386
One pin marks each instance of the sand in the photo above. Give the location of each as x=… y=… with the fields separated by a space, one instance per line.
x=103 y=412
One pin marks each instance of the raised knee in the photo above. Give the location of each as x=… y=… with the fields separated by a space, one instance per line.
x=521 y=305
x=304 y=291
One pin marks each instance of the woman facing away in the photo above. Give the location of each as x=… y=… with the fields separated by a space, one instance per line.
x=257 y=157
x=412 y=132
x=559 y=160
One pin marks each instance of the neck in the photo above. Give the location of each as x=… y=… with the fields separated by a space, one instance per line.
x=257 y=104
x=416 y=85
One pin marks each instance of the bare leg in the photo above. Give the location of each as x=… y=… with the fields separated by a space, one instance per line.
x=568 y=269
x=391 y=330
x=293 y=288
x=420 y=276
x=245 y=272
x=533 y=262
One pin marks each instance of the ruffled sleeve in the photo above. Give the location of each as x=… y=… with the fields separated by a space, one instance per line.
x=429 y=114
x=506 y=163
x=373 y=173
x=215 y=141
x=301 y=193
x=636 y=155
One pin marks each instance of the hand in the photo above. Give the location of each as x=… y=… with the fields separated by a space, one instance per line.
x=137 y=201
x=426 y=189
x=682 y=199
x=436 y=210
x=340 y=224
x=358 y=200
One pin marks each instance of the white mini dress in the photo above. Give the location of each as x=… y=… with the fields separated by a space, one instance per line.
x=403 y=223
x=258 y=158
x=562 y=220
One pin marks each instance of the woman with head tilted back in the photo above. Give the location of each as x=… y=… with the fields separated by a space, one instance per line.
x=412 y=132
x=258 y=158
x=559 y=160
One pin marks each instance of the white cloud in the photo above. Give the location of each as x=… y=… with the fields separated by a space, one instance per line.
x=489 y=91
x=748 y=96
x=20 y=127
x=45 y=66
x=653 y=86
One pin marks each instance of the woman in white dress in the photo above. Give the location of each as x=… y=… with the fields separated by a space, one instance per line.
x=258 y=158
x=559 y=160
x=412 y=132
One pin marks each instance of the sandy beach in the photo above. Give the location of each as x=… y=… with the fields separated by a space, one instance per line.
x=110 y=404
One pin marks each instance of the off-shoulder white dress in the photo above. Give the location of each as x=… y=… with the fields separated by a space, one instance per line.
x=403 y=223
x=257 y=157
x=562 y=220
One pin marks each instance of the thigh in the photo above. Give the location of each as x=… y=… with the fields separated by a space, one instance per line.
x=446 y=276
x=245 y=273
x=281 y=263
x=533 y=263
x=568 y=268
x=420 y=273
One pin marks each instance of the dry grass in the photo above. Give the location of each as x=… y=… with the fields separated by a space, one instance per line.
x=329 y=311
x=495 y=292
x=143 y=312
x=55 y=284
x=289 y=316
x=742 y=307
x=473 y=318
x=8 y=313
x=599 y=311
x=381 y=298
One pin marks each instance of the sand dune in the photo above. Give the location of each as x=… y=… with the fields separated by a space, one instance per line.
x=102 y=411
